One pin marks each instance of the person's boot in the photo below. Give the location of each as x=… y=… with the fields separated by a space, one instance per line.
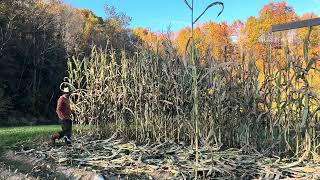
x=67 y=141
x=54 y=138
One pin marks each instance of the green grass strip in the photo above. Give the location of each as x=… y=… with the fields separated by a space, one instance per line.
x=10 y=136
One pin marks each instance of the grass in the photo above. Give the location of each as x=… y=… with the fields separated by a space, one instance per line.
x=10 y=136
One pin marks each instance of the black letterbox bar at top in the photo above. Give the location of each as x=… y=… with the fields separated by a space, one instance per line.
x=296 y=25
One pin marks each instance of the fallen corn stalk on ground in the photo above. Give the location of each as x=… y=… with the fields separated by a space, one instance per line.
x=115 y=157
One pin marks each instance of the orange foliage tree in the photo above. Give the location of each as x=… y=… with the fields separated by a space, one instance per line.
x=149 y=39
x=213 y=40
x=257 y=31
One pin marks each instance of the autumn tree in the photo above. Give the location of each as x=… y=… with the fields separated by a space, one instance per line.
x=217 y=39
x=256 y=33
x=148 y=38
x=213 y=41
x=36 y=39
x=31 y=57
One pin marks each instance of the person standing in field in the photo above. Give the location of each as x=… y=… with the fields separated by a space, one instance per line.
x=64 y=113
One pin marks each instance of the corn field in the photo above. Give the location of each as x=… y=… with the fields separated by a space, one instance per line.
x=148 y=98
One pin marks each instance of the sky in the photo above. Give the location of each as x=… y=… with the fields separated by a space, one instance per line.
x=158 y=15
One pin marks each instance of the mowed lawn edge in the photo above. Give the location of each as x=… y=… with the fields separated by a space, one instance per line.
x=12 y=135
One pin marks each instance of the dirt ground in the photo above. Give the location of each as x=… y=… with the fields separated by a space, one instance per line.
x=15 y=166
x=18 y=166
x=117 y=159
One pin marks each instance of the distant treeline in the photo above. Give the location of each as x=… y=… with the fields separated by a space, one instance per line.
x=36 y=39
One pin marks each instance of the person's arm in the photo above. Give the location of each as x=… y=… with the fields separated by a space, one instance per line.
x=60 y=108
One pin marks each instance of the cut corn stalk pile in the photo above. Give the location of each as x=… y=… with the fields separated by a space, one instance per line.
x=117 y=157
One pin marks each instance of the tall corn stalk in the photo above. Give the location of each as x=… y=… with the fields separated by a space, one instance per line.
x=195 y=74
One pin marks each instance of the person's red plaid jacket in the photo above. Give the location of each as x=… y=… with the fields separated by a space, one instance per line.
x=63 y=108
